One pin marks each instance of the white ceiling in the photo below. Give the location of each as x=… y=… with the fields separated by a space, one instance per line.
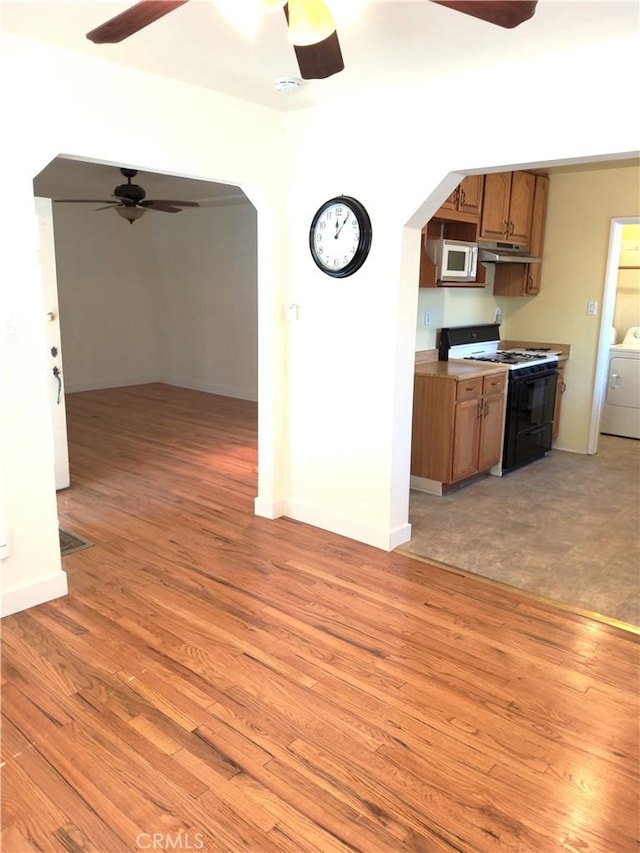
x=390 y=42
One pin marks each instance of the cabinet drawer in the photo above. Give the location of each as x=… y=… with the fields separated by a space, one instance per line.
x=494 y=384
x=468 y=389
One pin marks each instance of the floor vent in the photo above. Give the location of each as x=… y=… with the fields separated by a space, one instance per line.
x=70 y=542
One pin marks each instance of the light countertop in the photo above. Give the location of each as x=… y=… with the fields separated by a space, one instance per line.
x=458 y=368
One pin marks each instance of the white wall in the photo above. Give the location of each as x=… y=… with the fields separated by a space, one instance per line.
x=110 y=314
x=335 y=387
x=207 y=267
x=171 y=298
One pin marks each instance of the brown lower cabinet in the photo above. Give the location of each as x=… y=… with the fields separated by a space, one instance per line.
x=457 y=425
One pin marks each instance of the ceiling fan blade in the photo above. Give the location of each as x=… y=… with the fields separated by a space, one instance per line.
x=82 y=201
x=503 y=13
x=109 y=206
x=320 y=60
x=165 y=208
x=164 y=202
x=132 y=20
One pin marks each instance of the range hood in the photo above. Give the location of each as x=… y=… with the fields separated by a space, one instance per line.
x=505 y=253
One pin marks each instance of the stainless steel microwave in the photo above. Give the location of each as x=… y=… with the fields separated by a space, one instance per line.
x=455 y=260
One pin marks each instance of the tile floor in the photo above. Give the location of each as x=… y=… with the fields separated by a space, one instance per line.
x=566 y=527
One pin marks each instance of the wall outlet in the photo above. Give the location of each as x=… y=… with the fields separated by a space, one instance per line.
x=592 y=308
x=427 y=318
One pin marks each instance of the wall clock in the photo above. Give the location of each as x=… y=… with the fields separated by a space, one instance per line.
x=340 y=236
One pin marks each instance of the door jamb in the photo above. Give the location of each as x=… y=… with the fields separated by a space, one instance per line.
x=606 y=321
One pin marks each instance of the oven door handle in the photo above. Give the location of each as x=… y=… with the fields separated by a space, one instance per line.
x=513 y=375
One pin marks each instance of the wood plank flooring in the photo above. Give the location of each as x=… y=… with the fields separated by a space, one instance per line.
x=221 y=682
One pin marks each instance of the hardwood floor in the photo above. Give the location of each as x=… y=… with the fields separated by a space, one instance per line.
x=221 y=682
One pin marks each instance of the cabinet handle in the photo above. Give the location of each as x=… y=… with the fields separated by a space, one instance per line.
x=479 y=412
x=486 y=409
x=506 y=227
x=511 y=228
x=563 y=387
x=461 y=197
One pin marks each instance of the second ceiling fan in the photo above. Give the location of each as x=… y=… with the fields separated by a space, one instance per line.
x=312 y=29
x=130 y=200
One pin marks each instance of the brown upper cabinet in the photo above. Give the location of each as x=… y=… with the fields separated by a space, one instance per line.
x=524 y=279
x=507 y=208
x=465 y=202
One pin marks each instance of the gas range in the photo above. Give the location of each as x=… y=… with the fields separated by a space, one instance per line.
x=481 y=343
x=514 y=359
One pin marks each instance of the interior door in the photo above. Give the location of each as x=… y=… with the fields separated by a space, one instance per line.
x=47 y=257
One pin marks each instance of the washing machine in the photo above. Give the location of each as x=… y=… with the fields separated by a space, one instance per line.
x=621 y=409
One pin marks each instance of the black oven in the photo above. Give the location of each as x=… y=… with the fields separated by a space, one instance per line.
x=531 y=399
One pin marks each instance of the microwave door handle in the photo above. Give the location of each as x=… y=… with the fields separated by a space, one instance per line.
x=474 y=260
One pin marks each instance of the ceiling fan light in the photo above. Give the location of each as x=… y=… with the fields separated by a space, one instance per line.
x=344 y=11
x=130 y=213
x=310 y=22
x=244 y=16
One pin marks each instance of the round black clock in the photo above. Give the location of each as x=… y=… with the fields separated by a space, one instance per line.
x=340 y=236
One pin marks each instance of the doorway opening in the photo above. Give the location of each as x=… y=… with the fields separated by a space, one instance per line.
x=608 y=308
x=170 y=299
x=476 y=527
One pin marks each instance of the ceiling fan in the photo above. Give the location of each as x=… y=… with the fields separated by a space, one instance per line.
x=130 y=201
x=312 y=29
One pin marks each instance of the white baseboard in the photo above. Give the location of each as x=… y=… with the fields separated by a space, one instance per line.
x=15 y=600
x=212 y=388
x=424 y=484
x=269 y=509
x=385 y=540
x=399 y=536
x=113 y=382
x=194 y=385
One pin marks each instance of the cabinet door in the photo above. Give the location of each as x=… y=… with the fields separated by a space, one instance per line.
x=495 y=207
x=511 y=279
x=560 y=389
x=452 y=202
x=470 y=194
x=521 y=207
x=490 y=447
x=536 y=243
x=466 y=435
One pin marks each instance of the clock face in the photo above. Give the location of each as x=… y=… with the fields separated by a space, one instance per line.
x=340 y=236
